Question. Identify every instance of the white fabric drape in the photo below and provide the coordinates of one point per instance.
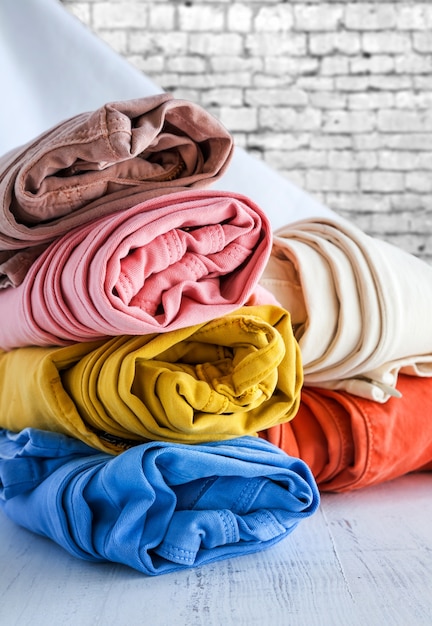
(53, 67)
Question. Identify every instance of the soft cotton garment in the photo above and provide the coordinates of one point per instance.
(360, 306)
(158, 507)
(351, 442)
(101, 162)
(173, 261)
(230, 377)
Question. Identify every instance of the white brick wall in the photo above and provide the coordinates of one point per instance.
(336, 95)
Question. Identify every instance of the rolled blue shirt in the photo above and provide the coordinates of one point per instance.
(157, 507)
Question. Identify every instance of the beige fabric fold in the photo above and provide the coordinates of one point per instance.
(101, 162)
(360, 306)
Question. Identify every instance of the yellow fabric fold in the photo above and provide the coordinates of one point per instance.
(232, 376)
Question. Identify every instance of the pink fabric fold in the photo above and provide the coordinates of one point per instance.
(170, 262)
(100, 162)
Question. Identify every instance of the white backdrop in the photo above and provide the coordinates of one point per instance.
(53, 67)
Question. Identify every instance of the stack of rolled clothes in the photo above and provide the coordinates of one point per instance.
(140, 357)
(177, 381)
(360, 310)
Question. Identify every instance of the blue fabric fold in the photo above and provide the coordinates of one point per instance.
(157, 507)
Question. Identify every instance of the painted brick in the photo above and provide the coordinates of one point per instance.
(116, 39)
(348, 122)
(289, 66)
(331, 142)
(417, 244)
(167, 44)
(377, 64)
(212, 80)
(411, 141)
(349, 203)
(327, 100)
(380, 181)
(296, 177)
(335, 95)
(342, 42)
(352, 160)
(274, 97)
(295, 159)
(149, 64)
(372, 100)
(368, 141)
(239, 118)
(239, 18)
(389, 82)
(317, 18)
(275, 18)
(282, 118)
(422, 42)
(398, 160)
(120, 15)
(421, 82)
(419, 181)
(235, 64)
(333, 65)
(352, 83)
(411, 100)
(162, 17)
(404, 121)
(415, 16)
(413, 64)
(210, 44)
(262, 80)
(201, 18)
(316, 83)
(274, 44)
(279, 141)
(187, 64)
(331, 180)
(229, 96)
(80, 11)
(386, 42)
(369, 16)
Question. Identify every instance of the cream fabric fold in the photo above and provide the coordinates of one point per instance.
(360, 306)
(101, 162)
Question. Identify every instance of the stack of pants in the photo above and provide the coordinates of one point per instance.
(177, 381)
(139, 356)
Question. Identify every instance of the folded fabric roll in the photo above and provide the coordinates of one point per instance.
(360, 306)
(232, 376)
(173, 261)
(157, 507)
(102, 162)
(351, 442)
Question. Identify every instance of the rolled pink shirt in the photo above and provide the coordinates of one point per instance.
(100, 162)
(170, 262)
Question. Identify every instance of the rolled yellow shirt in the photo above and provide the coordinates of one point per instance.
(232, 376)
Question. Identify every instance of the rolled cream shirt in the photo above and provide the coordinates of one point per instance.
(170, 262)
(360, 306)
(158, 507)
(100, 162)
(229, 377)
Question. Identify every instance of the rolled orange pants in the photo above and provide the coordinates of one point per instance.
(350, 442)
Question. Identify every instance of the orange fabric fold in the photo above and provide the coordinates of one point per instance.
(351, 442)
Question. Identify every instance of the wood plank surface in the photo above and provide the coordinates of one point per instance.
(363, 558)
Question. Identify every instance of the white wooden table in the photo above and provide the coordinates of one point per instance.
(364, 558)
